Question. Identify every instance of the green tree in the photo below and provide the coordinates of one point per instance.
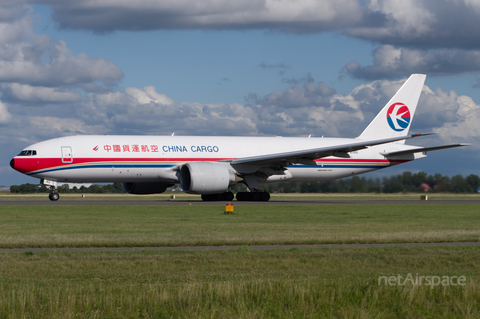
(474, 182)
(94, 189)
(14, 189)
(459, 184)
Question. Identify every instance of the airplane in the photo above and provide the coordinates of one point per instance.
(210, 165)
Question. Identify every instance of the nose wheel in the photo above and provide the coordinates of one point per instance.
(53, 196)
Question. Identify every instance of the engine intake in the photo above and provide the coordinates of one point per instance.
(206, 178)
(145, 188)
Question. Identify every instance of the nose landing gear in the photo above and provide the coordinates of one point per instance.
(52, 186)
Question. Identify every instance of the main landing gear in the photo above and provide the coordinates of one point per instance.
(255, 196)
(227, 196)
(53, 196)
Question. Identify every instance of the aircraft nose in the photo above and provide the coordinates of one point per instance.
(12, 163)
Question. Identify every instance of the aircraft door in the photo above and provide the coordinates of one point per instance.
(67, 156)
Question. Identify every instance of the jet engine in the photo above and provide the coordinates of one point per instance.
(206, 178)
(145, 188)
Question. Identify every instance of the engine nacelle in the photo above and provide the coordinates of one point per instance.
(206, 178)
(145, 188)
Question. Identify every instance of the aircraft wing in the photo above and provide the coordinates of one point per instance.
(307, 156)
(423, 149)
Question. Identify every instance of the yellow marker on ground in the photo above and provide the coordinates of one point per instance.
(228, 208)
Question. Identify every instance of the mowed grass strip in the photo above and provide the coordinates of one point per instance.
(116, 226)
(320, 283)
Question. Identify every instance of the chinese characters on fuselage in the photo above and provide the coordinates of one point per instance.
(144, 148)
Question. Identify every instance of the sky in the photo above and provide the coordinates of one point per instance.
(248, 68)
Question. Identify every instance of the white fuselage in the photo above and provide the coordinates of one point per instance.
(157, 158)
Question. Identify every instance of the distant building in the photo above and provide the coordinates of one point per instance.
(425, 187)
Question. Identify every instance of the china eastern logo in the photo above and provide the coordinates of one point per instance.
(398, 116)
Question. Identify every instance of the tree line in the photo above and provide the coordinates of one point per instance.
(405, 182)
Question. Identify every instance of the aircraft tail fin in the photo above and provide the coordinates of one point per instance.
(396, 116)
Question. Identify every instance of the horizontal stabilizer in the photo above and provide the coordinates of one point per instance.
(423, 149)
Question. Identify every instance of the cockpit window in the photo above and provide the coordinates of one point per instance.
(28, 153)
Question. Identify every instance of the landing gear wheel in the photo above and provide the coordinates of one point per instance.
(208, 197)
(227, 196)
(241, 196)
(53, 196)
(265, 196)
(253, 196)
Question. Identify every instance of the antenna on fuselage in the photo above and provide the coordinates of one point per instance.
(173, 133)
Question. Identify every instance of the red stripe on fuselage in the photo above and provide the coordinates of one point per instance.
(31, 164)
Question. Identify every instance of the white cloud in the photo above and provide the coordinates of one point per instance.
(5, 116)
(34, 59)
(422, 23)
(22, 63)
(422, 26)
(391, 62)
(474, 4)
(57, 126)
(14, 32)
(37, 94)
(454, 117)
(407, 18)
(286, 15)
(428, 23)
(294, 111)
(147, 95)
(13, 9)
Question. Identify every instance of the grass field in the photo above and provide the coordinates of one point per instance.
(321, 283)
(238, 283)
(195, 225)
